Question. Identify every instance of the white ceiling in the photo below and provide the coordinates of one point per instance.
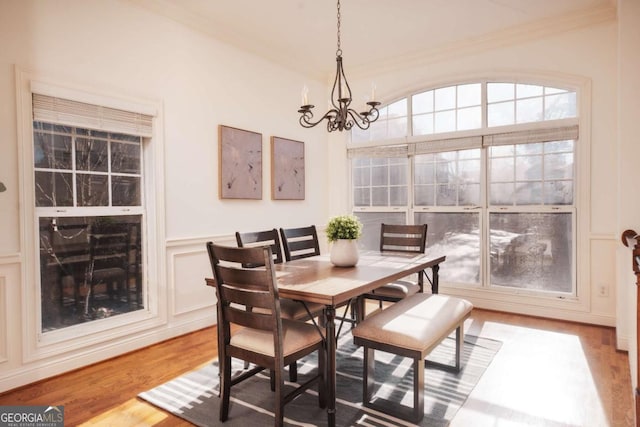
(301, 34)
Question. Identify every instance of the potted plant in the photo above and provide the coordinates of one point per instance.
(343, 231)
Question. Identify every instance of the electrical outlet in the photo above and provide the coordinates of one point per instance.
(603, 290)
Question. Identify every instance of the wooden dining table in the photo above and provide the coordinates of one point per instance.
(315, 279)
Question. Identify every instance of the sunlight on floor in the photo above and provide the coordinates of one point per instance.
(537, 378)
(131, 413)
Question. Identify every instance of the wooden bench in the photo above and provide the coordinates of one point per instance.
(410, 328)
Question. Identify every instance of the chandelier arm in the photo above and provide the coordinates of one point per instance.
(307, 116)
(357, 118)
(336, 84)
(373, 113)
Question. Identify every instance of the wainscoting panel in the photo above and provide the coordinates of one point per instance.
(188, 265)
(10, 311)
(3, 319)
(188, 271)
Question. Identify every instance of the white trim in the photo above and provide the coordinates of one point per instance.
(89, 97)
(97, 334)
(553, 308)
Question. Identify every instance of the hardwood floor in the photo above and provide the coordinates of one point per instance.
(547, 373)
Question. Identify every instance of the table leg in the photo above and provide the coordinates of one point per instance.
(435, 279)
(330, 325)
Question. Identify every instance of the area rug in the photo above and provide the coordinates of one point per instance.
(194, 396)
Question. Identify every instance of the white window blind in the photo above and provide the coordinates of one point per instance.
(379, 151)
(531, 136)
(451, 144)
(466, 143)
(74, 113)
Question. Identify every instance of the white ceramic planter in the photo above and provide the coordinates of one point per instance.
(344, 253)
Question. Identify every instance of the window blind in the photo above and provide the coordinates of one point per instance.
(74, 113)
(531, 136)
(379, 151)
(450, 144)
(466, 143)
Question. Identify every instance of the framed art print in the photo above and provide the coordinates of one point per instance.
(287, 169)
(240, 163)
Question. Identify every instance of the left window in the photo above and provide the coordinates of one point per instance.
(88, 176)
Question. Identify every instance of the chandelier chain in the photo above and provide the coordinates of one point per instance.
(339, 50)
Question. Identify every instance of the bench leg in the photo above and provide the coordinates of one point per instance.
(459, 345)
(369, 367)
(458, 357)
(418, 389)
(414, 414)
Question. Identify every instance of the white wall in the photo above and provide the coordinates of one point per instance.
(119, 49)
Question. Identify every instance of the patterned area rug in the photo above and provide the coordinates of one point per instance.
(194, 396)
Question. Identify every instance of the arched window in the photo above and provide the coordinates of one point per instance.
(490, 167)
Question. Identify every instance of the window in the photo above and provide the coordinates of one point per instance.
(380, 182)
(509, 103)
(447, 179)
(89, 208)
(499, 204)
(77, 167)
(447, 109)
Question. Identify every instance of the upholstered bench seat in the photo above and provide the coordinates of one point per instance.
(411, 328)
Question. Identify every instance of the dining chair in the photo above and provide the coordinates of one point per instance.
(300, 242)
(399, 238)
(289, 309)
(259, 238)
(264, 338)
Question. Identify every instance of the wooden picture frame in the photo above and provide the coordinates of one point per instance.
(287, 169)
(240, 163)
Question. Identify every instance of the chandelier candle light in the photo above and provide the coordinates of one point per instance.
(340, 116)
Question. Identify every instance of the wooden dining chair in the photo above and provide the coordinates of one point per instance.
(300, 242)
(399, 238)
(260, 238)
(265, 338)
(289, 309)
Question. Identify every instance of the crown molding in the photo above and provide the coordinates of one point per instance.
(508, 37)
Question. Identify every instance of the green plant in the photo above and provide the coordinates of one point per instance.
(343, 227)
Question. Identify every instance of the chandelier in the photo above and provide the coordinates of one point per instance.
(340, 116)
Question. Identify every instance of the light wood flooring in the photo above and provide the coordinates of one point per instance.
(547, 373)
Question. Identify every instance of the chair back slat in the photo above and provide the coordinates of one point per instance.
(247, 295)
(249, 319)
(252, 279)
(300, 242)
(261, 238)
(403, 238)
